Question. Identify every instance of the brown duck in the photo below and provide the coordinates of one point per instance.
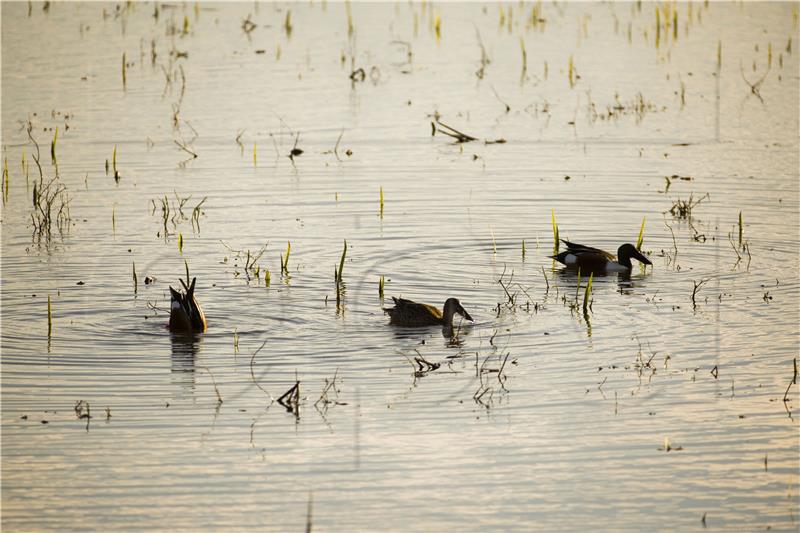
(413, 314)
(185, 313)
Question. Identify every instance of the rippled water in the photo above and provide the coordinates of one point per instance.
(572, 437)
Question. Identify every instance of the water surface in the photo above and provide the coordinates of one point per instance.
(647, 413)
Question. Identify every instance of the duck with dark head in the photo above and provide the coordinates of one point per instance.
(590, 259)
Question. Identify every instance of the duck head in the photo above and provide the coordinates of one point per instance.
(451, 307)
(627, 252)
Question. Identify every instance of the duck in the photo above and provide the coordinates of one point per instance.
(412, 314)
(185, 313)
(593, 259)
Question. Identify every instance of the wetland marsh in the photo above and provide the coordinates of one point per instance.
(308, 161)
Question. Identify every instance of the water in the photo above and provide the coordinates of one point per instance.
(574, 435)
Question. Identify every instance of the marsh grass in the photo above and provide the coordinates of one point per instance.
(340, 270)
(338, 278)
(196, 212)
(53, 147)
(741, 229)
(682, 209)
(285, 259)
(287, 23)
(555, 232)
(50, 200)
(588, 293)
(640, 239)
(114, 165)
(49, 317)
(5, 177)
(571, 73)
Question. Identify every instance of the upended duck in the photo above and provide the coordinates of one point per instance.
(412, 314)
(185, 313)
(593, 259)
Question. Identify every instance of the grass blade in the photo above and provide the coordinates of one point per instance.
(641, 235)
(285, 259)
(587, 295)
(555, 232)
(341, 263)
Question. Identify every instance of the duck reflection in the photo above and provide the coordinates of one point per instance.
(453, 334)
(626, 281)
(185, 347)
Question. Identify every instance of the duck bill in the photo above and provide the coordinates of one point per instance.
(642, 258)
(463, 312)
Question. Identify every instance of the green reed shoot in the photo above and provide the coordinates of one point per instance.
(285, 259)
(185, 24)
(287, 23)
(124, 71)
(523, 249)
(135, 279)
(235, 340)
(338, 273)
(255, 157)
(741, 229)
(588, 294)
(5, 179)
(186, 266)
(555, 232)
(180, 243)
(658, 27)
(641, 235)
(494, 244)
(49, 316)
(524, 57)
(267, 277)
(350, 27)
(381, 198)
(113, 161)
(719, 55)
(675, 25)
(381, 284)
(114, 219)
(53, 146)
(571, 73)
